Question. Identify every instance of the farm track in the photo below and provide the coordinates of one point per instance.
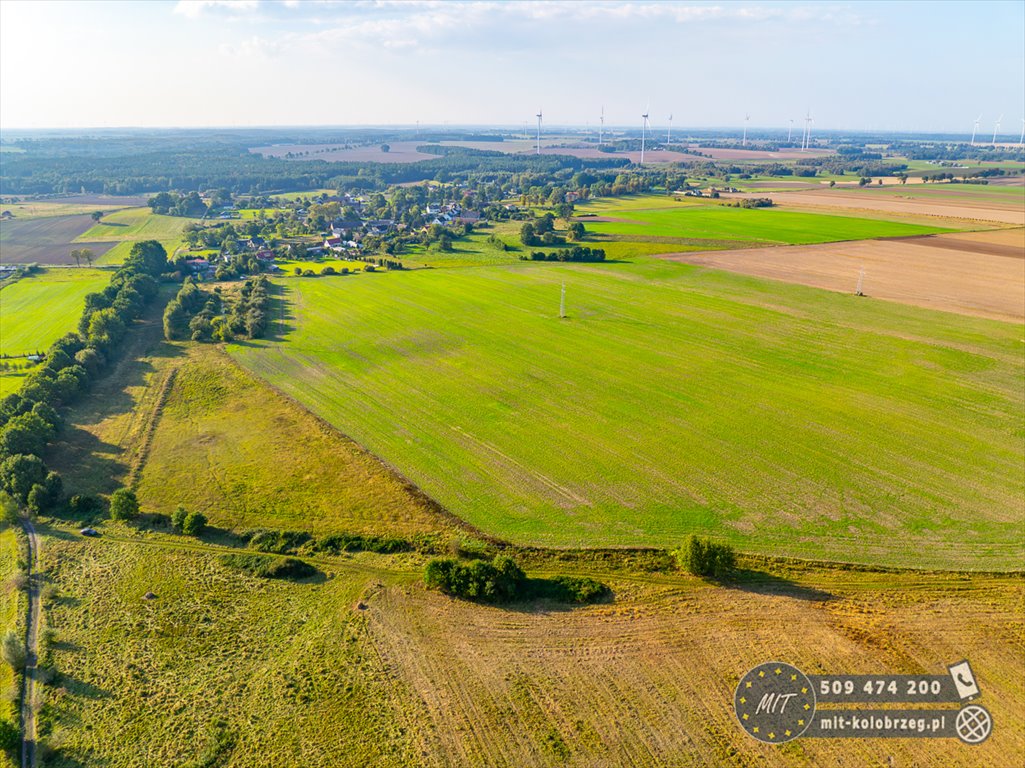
(28, 690)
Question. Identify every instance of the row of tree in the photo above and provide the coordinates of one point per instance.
(29, 418)
(199, 315)
(576, 253)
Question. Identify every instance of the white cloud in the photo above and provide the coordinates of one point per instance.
(193, 9)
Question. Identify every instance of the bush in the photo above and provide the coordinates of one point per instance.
(268, 567)
(124, 505)
(84, 506)
(194, 524)
(343, 542)
(10, 736)
(278, 542)
(575, 589)
(13, 650)
(499, 581)
(178, 517)
(707, 558)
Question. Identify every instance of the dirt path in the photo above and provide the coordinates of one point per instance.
(28, 693)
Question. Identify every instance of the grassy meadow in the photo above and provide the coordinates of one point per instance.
(216, 422)
(37, 310)
(672, 400)
(12, 617)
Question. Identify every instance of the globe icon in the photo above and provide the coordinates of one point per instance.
(973, 724)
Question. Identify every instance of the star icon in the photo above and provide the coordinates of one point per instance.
(747, 685)
(786, 733)
(755, 729)
(807, 706)
(743, 700)
(772, 735)
(793, 677)
(800, 722)
(803, 690)
(761, 673)
(745, 715)
(779, 671)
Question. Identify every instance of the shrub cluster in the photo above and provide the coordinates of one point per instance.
(290, 542)
(576, 253)
(29, 417)
(498, 581)
(267, 567)
(501, 581)
(707, 558)
(748, 202)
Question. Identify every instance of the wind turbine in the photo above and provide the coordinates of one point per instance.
(539, 130)
(791, 131)
(601, 125)
(669, 131)
(743, 142)
(807, 130)
(644, 129)
(996, 129)
(1021, 141)
(975, 129)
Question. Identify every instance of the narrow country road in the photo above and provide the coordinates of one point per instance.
(28, 689)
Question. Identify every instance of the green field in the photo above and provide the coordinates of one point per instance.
(131, 225)
(658, 217)
(36, 311)
(673, 399)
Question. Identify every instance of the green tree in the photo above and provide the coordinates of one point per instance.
(13, 650)
(123, 505)
(97, 215)
(194, 524)
(576, 231)
(10, 736)
(19, 473)
(8, 509)
(178, 517)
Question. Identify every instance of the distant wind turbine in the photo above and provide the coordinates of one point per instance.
(747, 118)
(996, 129)
(1021, 141)
(807, 130)
(791, 131)
(669, 131)
(644, 129)
(975, 128)
(539, 130)
(601, 125)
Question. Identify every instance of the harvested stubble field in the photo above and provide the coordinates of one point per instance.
(673, 399)
(47, 240)
(981, 274)
(963, 206)
(362, 666)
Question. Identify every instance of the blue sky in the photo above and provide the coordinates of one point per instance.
(923, 66)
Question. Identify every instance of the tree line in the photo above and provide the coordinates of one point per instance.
(29, 418)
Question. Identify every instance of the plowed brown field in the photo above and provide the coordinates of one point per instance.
(980, 274)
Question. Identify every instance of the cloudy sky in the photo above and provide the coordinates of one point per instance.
(932, 66)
